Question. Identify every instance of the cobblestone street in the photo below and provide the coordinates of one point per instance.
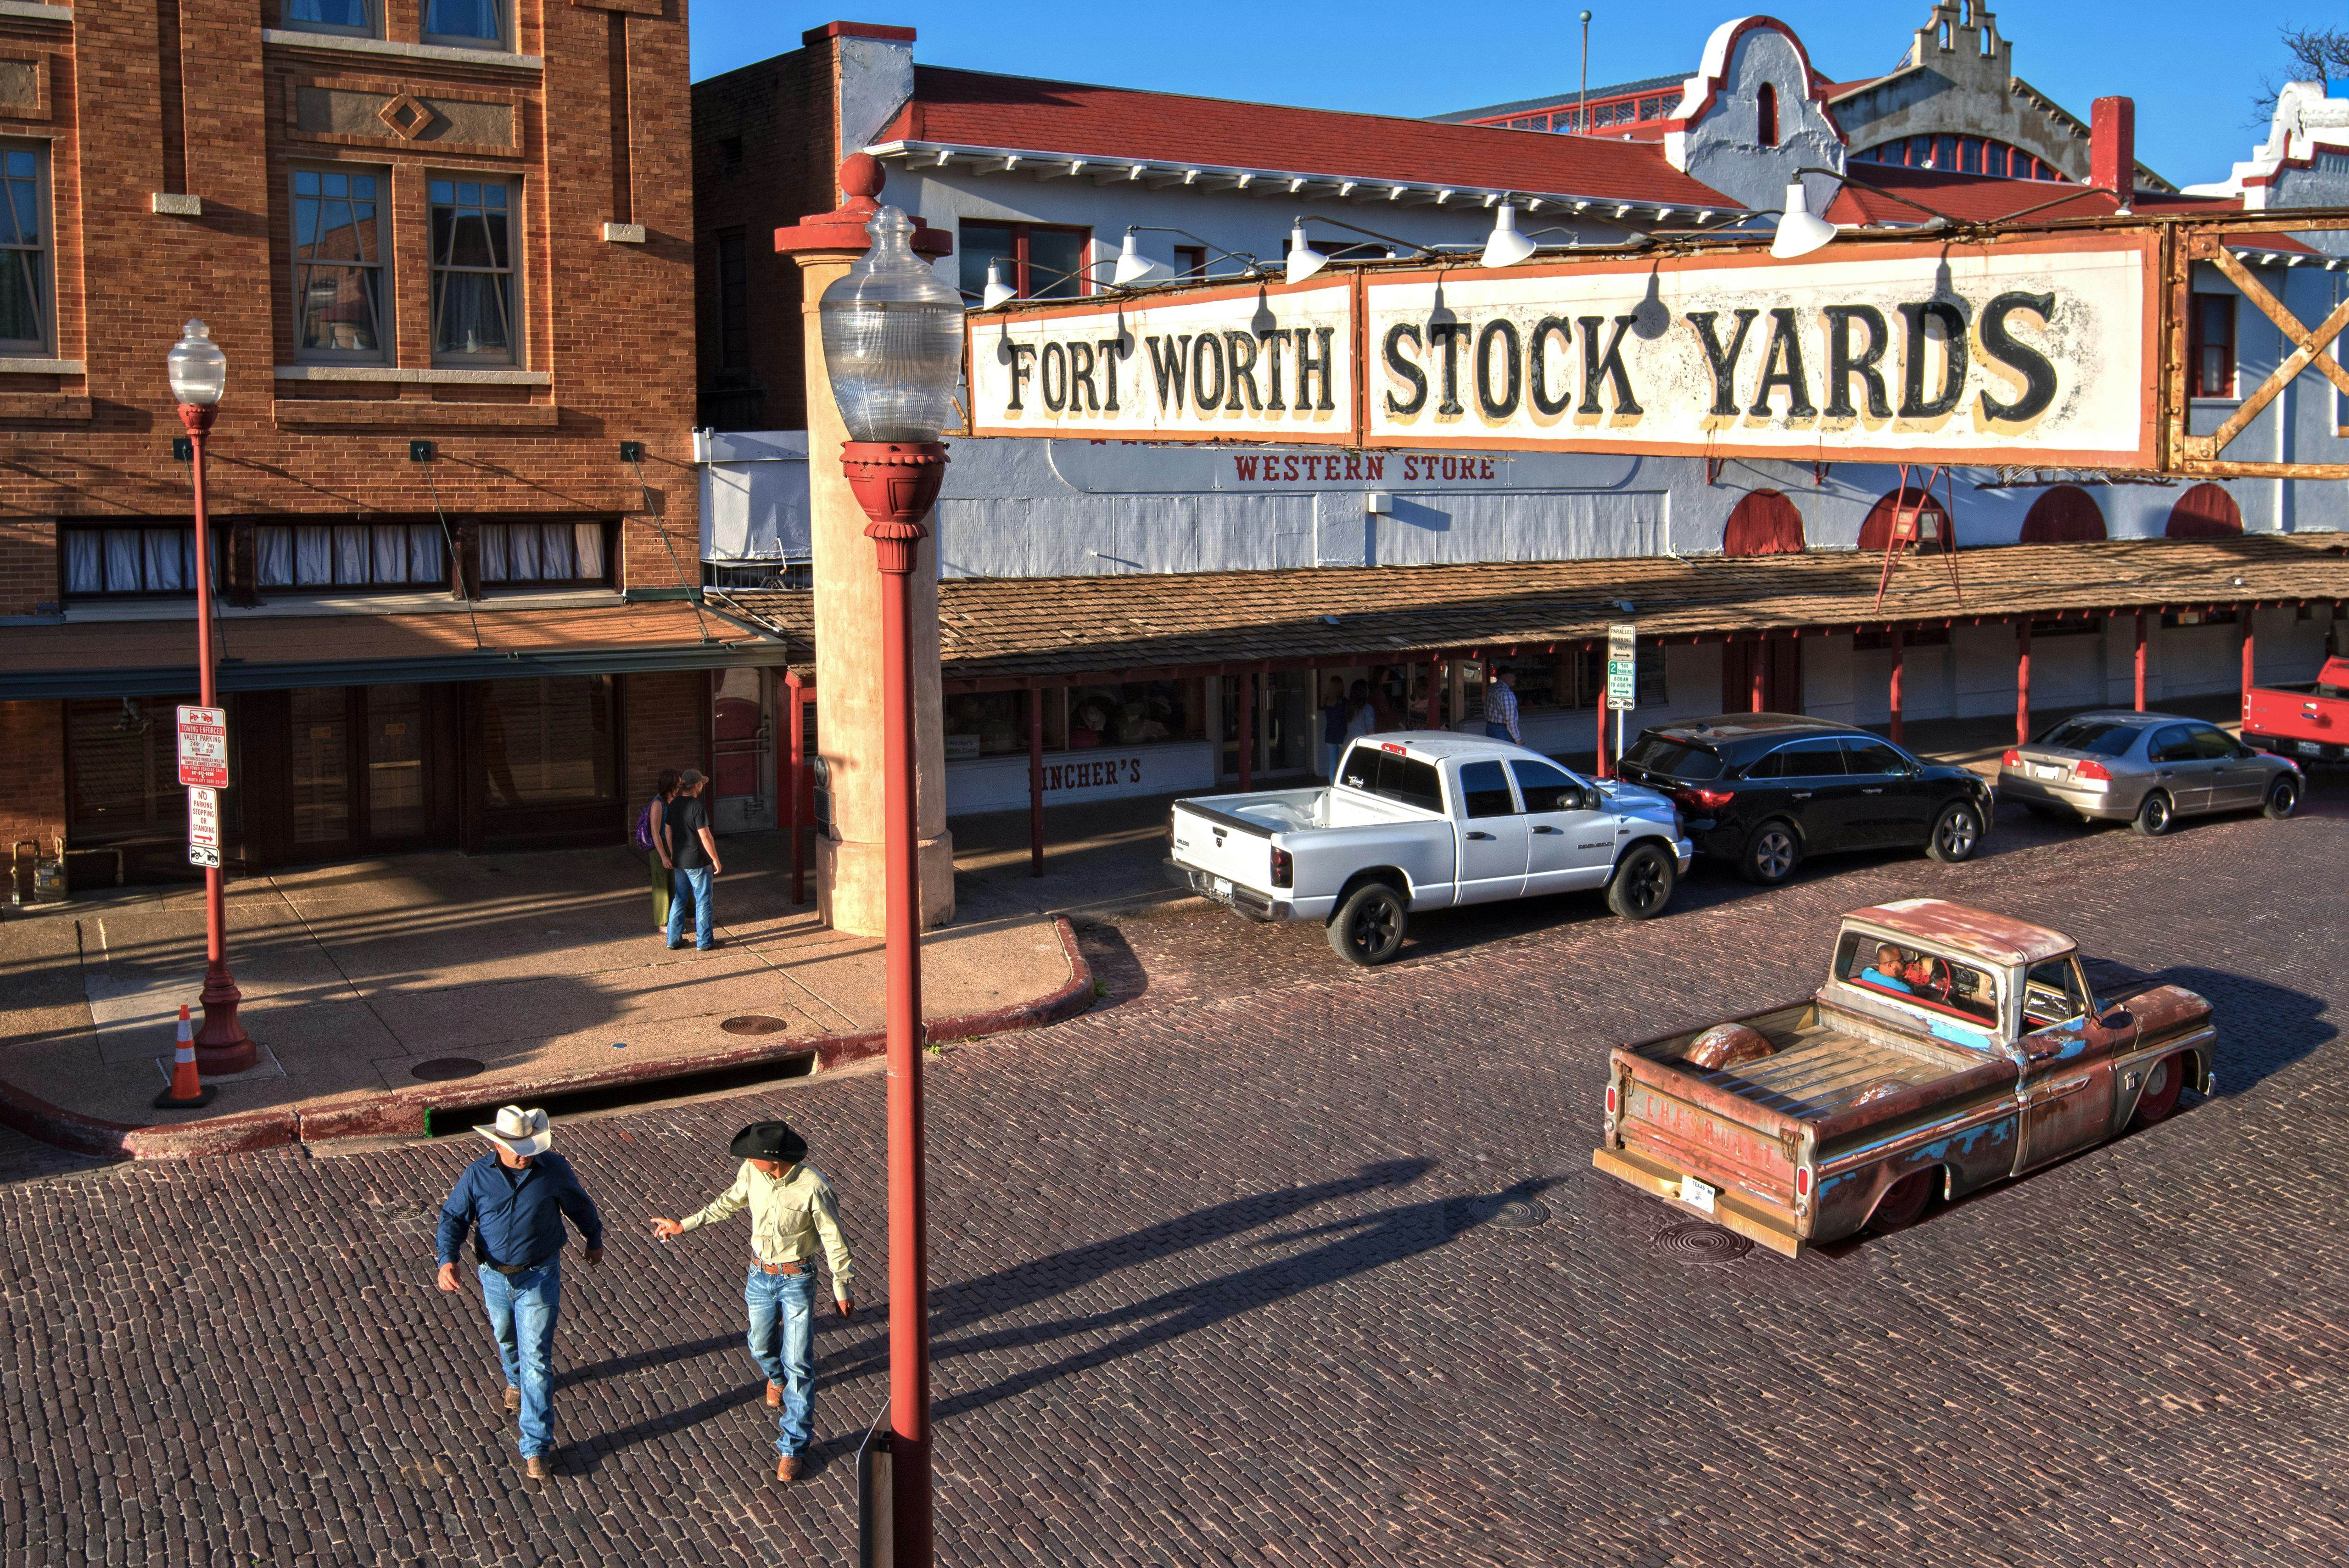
(1213, 1284)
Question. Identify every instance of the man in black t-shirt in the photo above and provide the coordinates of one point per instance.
(692, 856)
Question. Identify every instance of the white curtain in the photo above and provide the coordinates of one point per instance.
(555, 561)
(522, 552)
(494, 567)
(424, 553)
(273, 549)
(390, 553)
(351, 546)
(85, 568)
(587, 542)
(166, 566)
(314, 555)
(122, 560)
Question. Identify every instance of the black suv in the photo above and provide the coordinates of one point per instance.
(1764, 790)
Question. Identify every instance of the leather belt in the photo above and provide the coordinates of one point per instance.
(511, 1270)
(801, 1267)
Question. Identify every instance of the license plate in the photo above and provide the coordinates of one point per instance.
(2310, 748)
(2040, 773)
(1697, 1193)
(1221, 885)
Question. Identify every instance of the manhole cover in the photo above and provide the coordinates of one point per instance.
(754, 1023)
(440, 1069)
(1701, 1245)
(1519, 1214)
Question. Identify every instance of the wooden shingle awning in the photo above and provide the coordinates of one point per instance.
(1007, 631)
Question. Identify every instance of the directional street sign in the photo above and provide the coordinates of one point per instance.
(1623, 664)
(204, 747)
(204, 825)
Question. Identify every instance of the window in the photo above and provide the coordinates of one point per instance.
(2210, 354)
(542, 552)
(1936, 983)
(1821, 757)
(1765, 116)
(1191, 260)
(547, 743)
(1485, 791)
(122, 768)
(1657, 753)
(1390, 775)
(2211, 744)
(354, 17)
(729, 154)
(349, 555)
(132, 559)
(2173, 745)
(338, 265)
(2052, 993)
(733, 307)
(1039, 263)
(24, 325)
(1875, 759)
(2097, 737)
(1547, 788)
(472, 271)
(467, 24)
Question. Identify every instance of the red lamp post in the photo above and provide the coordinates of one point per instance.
(199, 373)
(892, 348)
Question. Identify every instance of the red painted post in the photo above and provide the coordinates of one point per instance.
(1246, 678)
(2250, 678)
(794, 783)
(2140, 661)
(1899, 652)
(1604, 770)
(2023, 683)
(1761, 663)
(1035, 779)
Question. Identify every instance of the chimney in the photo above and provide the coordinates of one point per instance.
(2112, 146)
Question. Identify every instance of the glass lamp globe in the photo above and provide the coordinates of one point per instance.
(198, 368)
(892, 339)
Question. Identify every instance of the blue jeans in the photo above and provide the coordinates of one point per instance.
(523, 1309)
(782, 1332)
(690, 886)
(1492, 733)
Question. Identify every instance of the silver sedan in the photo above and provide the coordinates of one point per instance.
(2146, 770)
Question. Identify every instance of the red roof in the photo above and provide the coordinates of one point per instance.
(974, 109)
(1985, 198)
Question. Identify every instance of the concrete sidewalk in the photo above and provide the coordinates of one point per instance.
(541, 968)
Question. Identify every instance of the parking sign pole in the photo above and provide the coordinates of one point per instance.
(222, 1044)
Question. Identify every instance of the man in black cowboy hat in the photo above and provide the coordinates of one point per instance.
(792, 1216)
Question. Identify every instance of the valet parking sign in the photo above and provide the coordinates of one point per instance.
(203, 768)
(2034, 352)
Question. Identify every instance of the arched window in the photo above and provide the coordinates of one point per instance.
(1875, 533)
(1763, 524)
(2067, 512)
(1765, 116)
(2205, 511)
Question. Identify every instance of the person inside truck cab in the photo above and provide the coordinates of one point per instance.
(1890, 966)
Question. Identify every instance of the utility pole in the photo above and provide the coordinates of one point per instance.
(1582, 111)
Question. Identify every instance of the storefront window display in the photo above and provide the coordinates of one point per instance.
(548, 743)
(1078, 718)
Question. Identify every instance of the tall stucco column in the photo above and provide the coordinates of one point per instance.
(848, 589)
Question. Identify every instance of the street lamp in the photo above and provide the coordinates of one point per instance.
(893, 347)
(199, 373)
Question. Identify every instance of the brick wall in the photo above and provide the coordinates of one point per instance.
(666, 724)
(28, 564)
(32, 775)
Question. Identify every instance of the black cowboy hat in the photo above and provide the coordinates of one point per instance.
(769, 1140)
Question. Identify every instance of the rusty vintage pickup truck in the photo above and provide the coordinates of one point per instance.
(1949, 1048)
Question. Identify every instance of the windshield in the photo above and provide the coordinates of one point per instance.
(1655, 753)
(2099, 737)
(1939, 985)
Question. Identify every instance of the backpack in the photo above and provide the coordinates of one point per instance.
(642, 836)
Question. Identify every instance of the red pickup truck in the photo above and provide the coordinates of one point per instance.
(2308, 722)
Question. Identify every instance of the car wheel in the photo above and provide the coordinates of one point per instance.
(1956, 834)
(2164, 1081)
(1770, 855)
(1643, 883)
(2154, 816)
(2283, 798)
(1904, 1202)
(1368, 927)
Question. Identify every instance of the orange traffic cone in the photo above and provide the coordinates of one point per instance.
(186, 1091)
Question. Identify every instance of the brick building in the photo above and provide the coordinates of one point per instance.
(446, 246)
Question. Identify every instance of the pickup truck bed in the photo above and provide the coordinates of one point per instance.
(1819, 1070)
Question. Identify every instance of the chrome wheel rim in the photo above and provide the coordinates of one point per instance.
(1957, 833)
(2157, 1082)
(1775, 855)
(2285, 797)
(2157, 812)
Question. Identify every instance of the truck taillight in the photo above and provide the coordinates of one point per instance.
(2092, 770)
(2013, 758)
(1614, 1100)
(1284, 868)
(1801, 1181)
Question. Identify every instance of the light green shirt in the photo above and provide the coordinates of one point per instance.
(791, 1216)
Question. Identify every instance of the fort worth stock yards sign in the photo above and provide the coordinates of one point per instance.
(2038, 352)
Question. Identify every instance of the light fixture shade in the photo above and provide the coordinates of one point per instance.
(198, 368)
(1800, 232)
(997, 291)
(1132, 267)
(1505, 246)
(892, 339)
(1304, 261)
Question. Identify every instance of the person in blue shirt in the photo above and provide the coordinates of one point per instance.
(1887, 970)
(513, 1202)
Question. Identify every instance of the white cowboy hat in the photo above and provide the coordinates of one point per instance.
(518, 1131)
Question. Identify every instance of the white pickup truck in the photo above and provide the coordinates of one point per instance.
(1426, 820)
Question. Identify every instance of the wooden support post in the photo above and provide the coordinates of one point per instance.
(1247, 678)
(1760, 665)
(2023, 683)
(1035, 780)
(1604, 770)
(2250, 636)
(2140, 661)
(795, 783)
(1899, 649)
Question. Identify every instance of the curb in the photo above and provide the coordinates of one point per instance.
(402, 1112)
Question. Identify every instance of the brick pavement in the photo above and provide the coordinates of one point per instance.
(1211, 1287)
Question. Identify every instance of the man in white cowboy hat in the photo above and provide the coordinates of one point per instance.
(513, 1202)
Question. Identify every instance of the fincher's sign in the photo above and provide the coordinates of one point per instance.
(2038, 351)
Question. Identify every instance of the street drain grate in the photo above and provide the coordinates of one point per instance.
(1701, 1245)
(754, 1023)
(441, 1069)
(1519, 1214)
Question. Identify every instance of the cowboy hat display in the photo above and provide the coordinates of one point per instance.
(769, 1140)
(518, 1131)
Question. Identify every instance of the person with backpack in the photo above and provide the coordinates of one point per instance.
(650, 843)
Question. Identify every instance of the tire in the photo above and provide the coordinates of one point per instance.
(1770, 855)
(1367, 929)
(2154, 816)
(2164, 1081)
(2283, 798)
(1905, 1201)
(1957, 833)
(1643, 883)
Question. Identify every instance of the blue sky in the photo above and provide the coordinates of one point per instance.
(2192, 67)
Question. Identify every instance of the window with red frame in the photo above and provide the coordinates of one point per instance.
(1038, 261)
(2211, 353)
(1191, 260)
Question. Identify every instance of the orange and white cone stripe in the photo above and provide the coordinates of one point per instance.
(187, 1089)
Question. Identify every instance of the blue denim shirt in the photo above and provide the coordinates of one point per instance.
(519, 1222)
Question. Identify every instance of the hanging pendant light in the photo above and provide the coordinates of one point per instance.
(997, 291)
(1800, 230)
(1505, 246)
(1304, 261)
(1134, 267)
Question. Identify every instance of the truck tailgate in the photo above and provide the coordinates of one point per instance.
(1665, 1123)
(1223, 846)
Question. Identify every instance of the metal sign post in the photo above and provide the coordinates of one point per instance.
(1622, 676)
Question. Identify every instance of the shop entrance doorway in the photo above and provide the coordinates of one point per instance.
(1761, 675)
